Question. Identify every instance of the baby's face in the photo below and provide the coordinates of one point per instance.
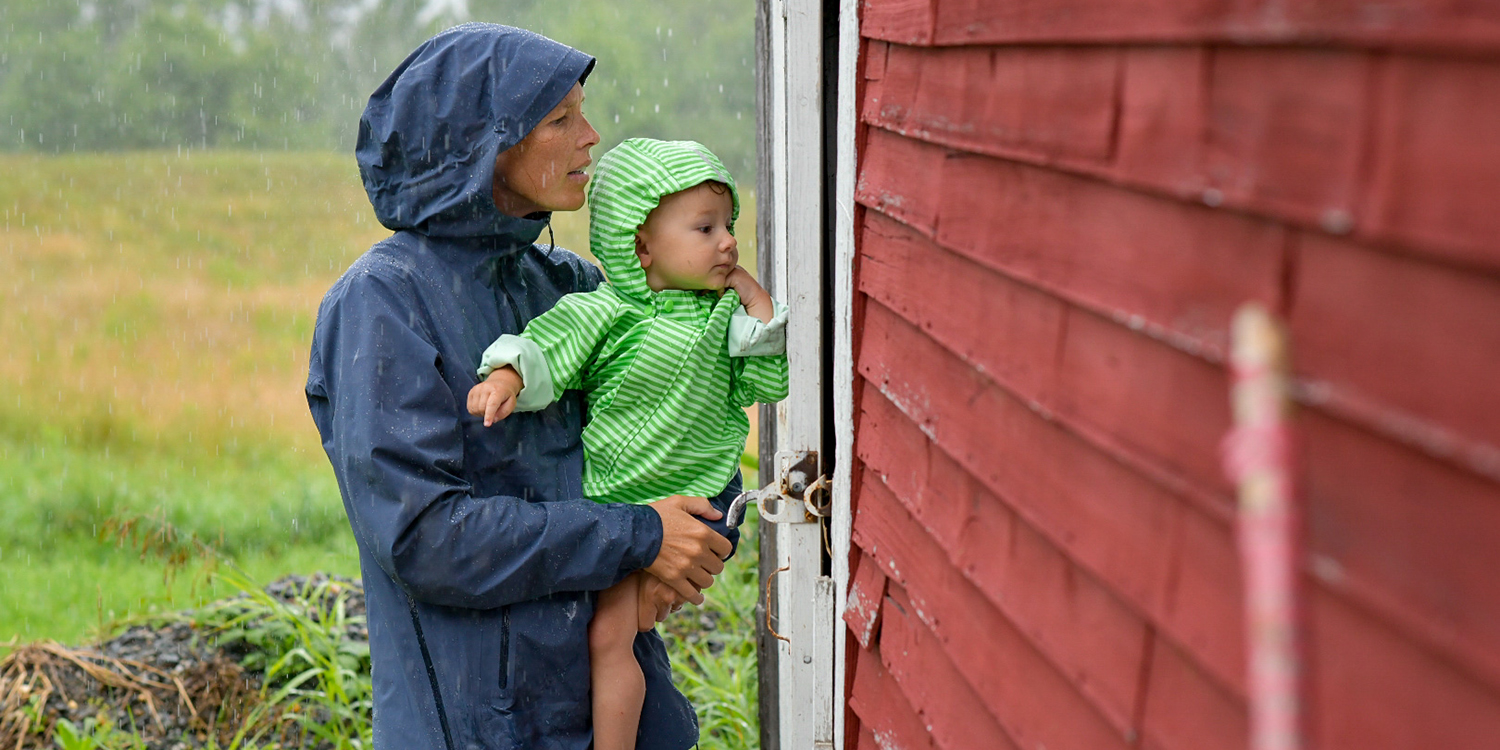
(685, 242)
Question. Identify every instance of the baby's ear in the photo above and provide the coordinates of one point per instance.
(641, 251)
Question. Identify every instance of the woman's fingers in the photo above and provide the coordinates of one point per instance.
(699, 506)
(691, 554)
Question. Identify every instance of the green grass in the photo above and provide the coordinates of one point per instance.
(158, 310)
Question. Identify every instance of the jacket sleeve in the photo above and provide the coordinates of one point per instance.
(555, 351)
(393, 432)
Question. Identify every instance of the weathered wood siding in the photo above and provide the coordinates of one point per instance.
(1060, 204)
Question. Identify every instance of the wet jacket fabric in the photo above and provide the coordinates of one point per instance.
(665, 381)
(478, 551)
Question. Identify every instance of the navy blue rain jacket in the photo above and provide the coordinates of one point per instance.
(478, 551)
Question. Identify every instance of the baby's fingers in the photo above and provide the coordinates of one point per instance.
(497, 407)
(476, 399)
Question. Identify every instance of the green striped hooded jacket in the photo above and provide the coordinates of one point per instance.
(667, 375)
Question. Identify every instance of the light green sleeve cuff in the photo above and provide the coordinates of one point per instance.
(749, 337)
(527, 358)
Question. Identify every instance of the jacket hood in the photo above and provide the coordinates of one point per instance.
(430, 133)
(628, 183)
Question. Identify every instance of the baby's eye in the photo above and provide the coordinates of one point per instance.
(705, 229)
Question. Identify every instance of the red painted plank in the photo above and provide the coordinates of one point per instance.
(956, 718)
(900, 21)
(1065, 611)
(979, 21)
(1415, 536)
(1419, 338)
(1439, 159)
(938, 492)
(1162, 108)
(1374, 691)
(1178, 269)
(1028, 695)
(1108, 518)
(901, 177)
(1206, 610)
(1440, 24)
(1049, 101)
(866, 591)
(1187, 711)
(1284, 131)
(1153, 399)
(944, 294)
(883, 711)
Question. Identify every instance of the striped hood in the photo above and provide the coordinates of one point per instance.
(628, 183)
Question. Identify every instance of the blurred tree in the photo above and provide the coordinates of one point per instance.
(113, 74)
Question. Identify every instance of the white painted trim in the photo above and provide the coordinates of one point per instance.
(804, 607)
(843, 344)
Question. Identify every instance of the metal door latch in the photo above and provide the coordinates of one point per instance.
(800, 495)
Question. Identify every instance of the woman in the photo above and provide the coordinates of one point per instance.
(478, 553)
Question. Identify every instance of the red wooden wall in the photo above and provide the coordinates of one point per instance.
(1062, 202)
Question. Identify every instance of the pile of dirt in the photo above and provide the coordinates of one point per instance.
(169, 684)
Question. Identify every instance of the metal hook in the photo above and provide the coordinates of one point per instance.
(769, 628)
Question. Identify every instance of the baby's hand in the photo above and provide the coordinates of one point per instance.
(495, 398)
(752, 295)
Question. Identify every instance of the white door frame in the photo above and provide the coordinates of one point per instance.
(845, 166)
(803, 603)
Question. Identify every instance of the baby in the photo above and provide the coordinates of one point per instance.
(668, 352)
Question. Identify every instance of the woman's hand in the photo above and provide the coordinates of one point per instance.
(753, 296)
(691, 553)
(495, 398)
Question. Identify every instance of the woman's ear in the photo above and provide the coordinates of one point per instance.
(641, 251)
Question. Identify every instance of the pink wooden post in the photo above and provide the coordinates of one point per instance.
(1258, 456)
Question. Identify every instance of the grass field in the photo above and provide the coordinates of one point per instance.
(157, 312)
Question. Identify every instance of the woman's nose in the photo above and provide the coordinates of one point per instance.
(590, 136)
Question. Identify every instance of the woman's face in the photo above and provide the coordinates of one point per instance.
(544, 172)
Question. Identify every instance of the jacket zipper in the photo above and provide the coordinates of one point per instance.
(515, 310)
(505, 648)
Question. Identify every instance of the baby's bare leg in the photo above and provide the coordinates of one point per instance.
(619, 687)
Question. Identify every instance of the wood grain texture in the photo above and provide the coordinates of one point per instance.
(1375, 690)
(1418, 338)
(1106, 516)
(899, 21)
(1438, 159)
(1152, 262)
(1187, 711)
(953, 714)
(885, 716)
(1027, 693)
(944, 294)
(1151, 398)
(866, 592)
(1409, 537)
(1414, 24)
(1050, 101)
(1284, 131)
(1065, 611)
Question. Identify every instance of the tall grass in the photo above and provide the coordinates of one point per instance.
(158, 308)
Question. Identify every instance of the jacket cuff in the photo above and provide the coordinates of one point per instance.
(527, 358)
(645, 543)
(749, 337)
